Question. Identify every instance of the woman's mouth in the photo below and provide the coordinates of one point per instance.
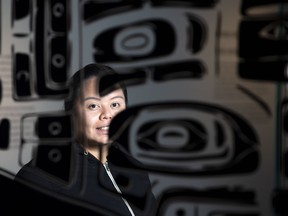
(104, 128)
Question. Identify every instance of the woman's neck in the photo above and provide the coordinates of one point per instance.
(100, 152)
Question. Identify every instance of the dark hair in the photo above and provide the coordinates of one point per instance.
(89, 71)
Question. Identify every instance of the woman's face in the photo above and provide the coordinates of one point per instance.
(94, 113)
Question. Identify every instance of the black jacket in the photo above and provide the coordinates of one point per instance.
(89, 184)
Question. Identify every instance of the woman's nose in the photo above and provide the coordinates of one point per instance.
(105, 114)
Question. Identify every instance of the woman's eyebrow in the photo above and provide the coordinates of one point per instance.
(97, 98)
(121, 97)
(91, 98)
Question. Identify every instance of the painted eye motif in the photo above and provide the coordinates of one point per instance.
(275, 31)
(180, 135)
(140, 40)
(187, 138)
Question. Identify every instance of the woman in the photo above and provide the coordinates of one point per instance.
(98, 178)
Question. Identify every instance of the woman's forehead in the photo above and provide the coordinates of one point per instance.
(90, 88)
(91, 84)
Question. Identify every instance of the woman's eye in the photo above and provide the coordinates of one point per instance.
(93, 106)
(115, 105)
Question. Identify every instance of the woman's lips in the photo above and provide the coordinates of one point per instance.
(103, 130)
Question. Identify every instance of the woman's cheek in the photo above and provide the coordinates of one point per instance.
(92, 119)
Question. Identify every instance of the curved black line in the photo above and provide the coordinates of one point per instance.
(255, 98)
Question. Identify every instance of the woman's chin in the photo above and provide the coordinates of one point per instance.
(102, 142)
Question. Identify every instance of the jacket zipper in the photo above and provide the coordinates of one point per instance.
(117, 188)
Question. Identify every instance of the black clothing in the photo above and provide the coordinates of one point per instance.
(19, 199)
(91, 183)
